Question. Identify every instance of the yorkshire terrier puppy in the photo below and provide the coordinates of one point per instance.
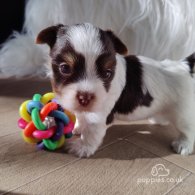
(92, 76)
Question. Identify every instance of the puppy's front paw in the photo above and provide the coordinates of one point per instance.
(79, 148)
(182, 146)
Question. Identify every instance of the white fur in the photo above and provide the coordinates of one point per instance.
(158, 29)
(20, 57)
(85, 40)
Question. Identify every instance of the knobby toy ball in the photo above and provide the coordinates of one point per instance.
(44, 122)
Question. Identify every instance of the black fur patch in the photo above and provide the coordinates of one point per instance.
(49, 35)
(191, 62)
(79, 70)
(108, 45)
(106, 62)
(132, 95)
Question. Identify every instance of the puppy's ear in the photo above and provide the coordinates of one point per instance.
(48, 35)
(119, 46)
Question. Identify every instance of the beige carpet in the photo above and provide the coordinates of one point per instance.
(134, 159)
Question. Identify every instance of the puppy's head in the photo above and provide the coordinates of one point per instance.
(83, 60)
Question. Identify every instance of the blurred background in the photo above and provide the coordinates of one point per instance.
(11, 17)
(157, 29)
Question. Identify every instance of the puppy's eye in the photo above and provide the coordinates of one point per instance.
(65, 69)
(108, 74)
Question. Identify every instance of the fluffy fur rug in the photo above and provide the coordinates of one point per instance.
(158, 29)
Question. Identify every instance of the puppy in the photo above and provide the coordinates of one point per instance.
(92, 77)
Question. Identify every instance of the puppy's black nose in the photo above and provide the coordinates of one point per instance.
(84, 98)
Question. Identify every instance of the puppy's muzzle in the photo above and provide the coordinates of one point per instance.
(84, 98)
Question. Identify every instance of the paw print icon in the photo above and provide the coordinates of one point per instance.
(160, 170)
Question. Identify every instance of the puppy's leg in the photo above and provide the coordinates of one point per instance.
(89, 141)
(184, 144)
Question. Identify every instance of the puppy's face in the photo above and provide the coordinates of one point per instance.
(83, 60)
